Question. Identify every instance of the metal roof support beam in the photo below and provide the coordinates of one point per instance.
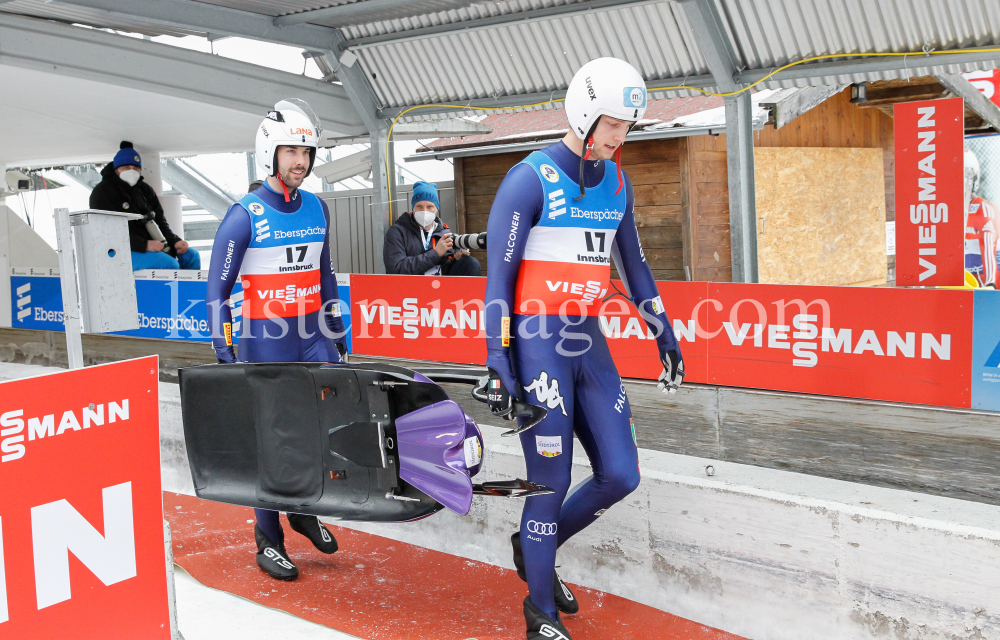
(742, 188)
(383, 170)
(852, 70)
(50, 47)
(520, 99)
(197, 191)
(84, 175)
(710, 33)
(218, 21)
(974, 99)
(201, 16)
(383, 175)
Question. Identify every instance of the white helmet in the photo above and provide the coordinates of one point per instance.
(292, 123)
(604, 87)
(972, 171)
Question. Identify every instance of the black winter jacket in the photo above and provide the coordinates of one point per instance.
(114, 194)
(404, 251)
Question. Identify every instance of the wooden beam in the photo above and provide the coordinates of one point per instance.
(881, 96)
(688, 204)
(788, 104)
(460, 195)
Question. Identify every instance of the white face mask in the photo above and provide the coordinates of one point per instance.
(424, 218)
(130, 176)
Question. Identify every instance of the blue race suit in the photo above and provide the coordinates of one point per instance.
(554, 258)
(282, 251)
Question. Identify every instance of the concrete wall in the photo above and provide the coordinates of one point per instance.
(763, 553)
(932, 450)
(20, 246)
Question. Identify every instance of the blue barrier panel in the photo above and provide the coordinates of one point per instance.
(173, 310)
(169, 308)
(986, 351)
(36, 302)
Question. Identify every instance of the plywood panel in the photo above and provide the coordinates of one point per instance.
(820, 215)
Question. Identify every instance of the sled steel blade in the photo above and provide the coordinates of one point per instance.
(533, 414)
(453, 375)
(510, 489)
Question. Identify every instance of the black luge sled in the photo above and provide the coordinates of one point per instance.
(356, 442)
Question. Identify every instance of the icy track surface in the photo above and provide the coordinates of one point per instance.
(207, 614)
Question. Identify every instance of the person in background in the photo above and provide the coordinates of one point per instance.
(981, 222)
(420, 243)
(122, 188)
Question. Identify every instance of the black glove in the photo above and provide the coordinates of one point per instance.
(498, 397)
(673, 371)
(342, 350)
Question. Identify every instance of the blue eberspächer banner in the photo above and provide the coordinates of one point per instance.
(986, 351)
(171, 303)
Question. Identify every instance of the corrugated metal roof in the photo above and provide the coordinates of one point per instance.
(377, 11)
(541, 55)
(453, 16)
(770, 33)
(538, 56)
(530, 57)
(412, 10)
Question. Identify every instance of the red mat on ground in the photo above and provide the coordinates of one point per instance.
(377, 588)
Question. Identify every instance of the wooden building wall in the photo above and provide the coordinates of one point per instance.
(681, 186)
(705, 211)
(654, 168)
(835, 123)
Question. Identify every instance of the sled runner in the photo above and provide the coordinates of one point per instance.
(369, 442)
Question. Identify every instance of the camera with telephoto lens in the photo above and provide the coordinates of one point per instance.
(469, 241)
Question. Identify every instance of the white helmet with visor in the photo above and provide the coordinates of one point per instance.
(292, 123)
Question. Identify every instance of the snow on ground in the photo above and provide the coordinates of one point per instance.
(204, 613)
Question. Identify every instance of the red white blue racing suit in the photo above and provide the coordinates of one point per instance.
(549, 254)
(282, 251)
(981, 241)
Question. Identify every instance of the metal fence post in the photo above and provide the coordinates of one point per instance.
(67, 280)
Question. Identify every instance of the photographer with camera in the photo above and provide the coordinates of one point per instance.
(420, 243)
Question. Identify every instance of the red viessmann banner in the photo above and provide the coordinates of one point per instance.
(81, 516)
(930, 204)
(883, 344)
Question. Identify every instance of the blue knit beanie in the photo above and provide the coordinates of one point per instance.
(425, 191)
(127, 156)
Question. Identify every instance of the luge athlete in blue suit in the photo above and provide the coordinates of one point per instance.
(564, 213)
(277, 240)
